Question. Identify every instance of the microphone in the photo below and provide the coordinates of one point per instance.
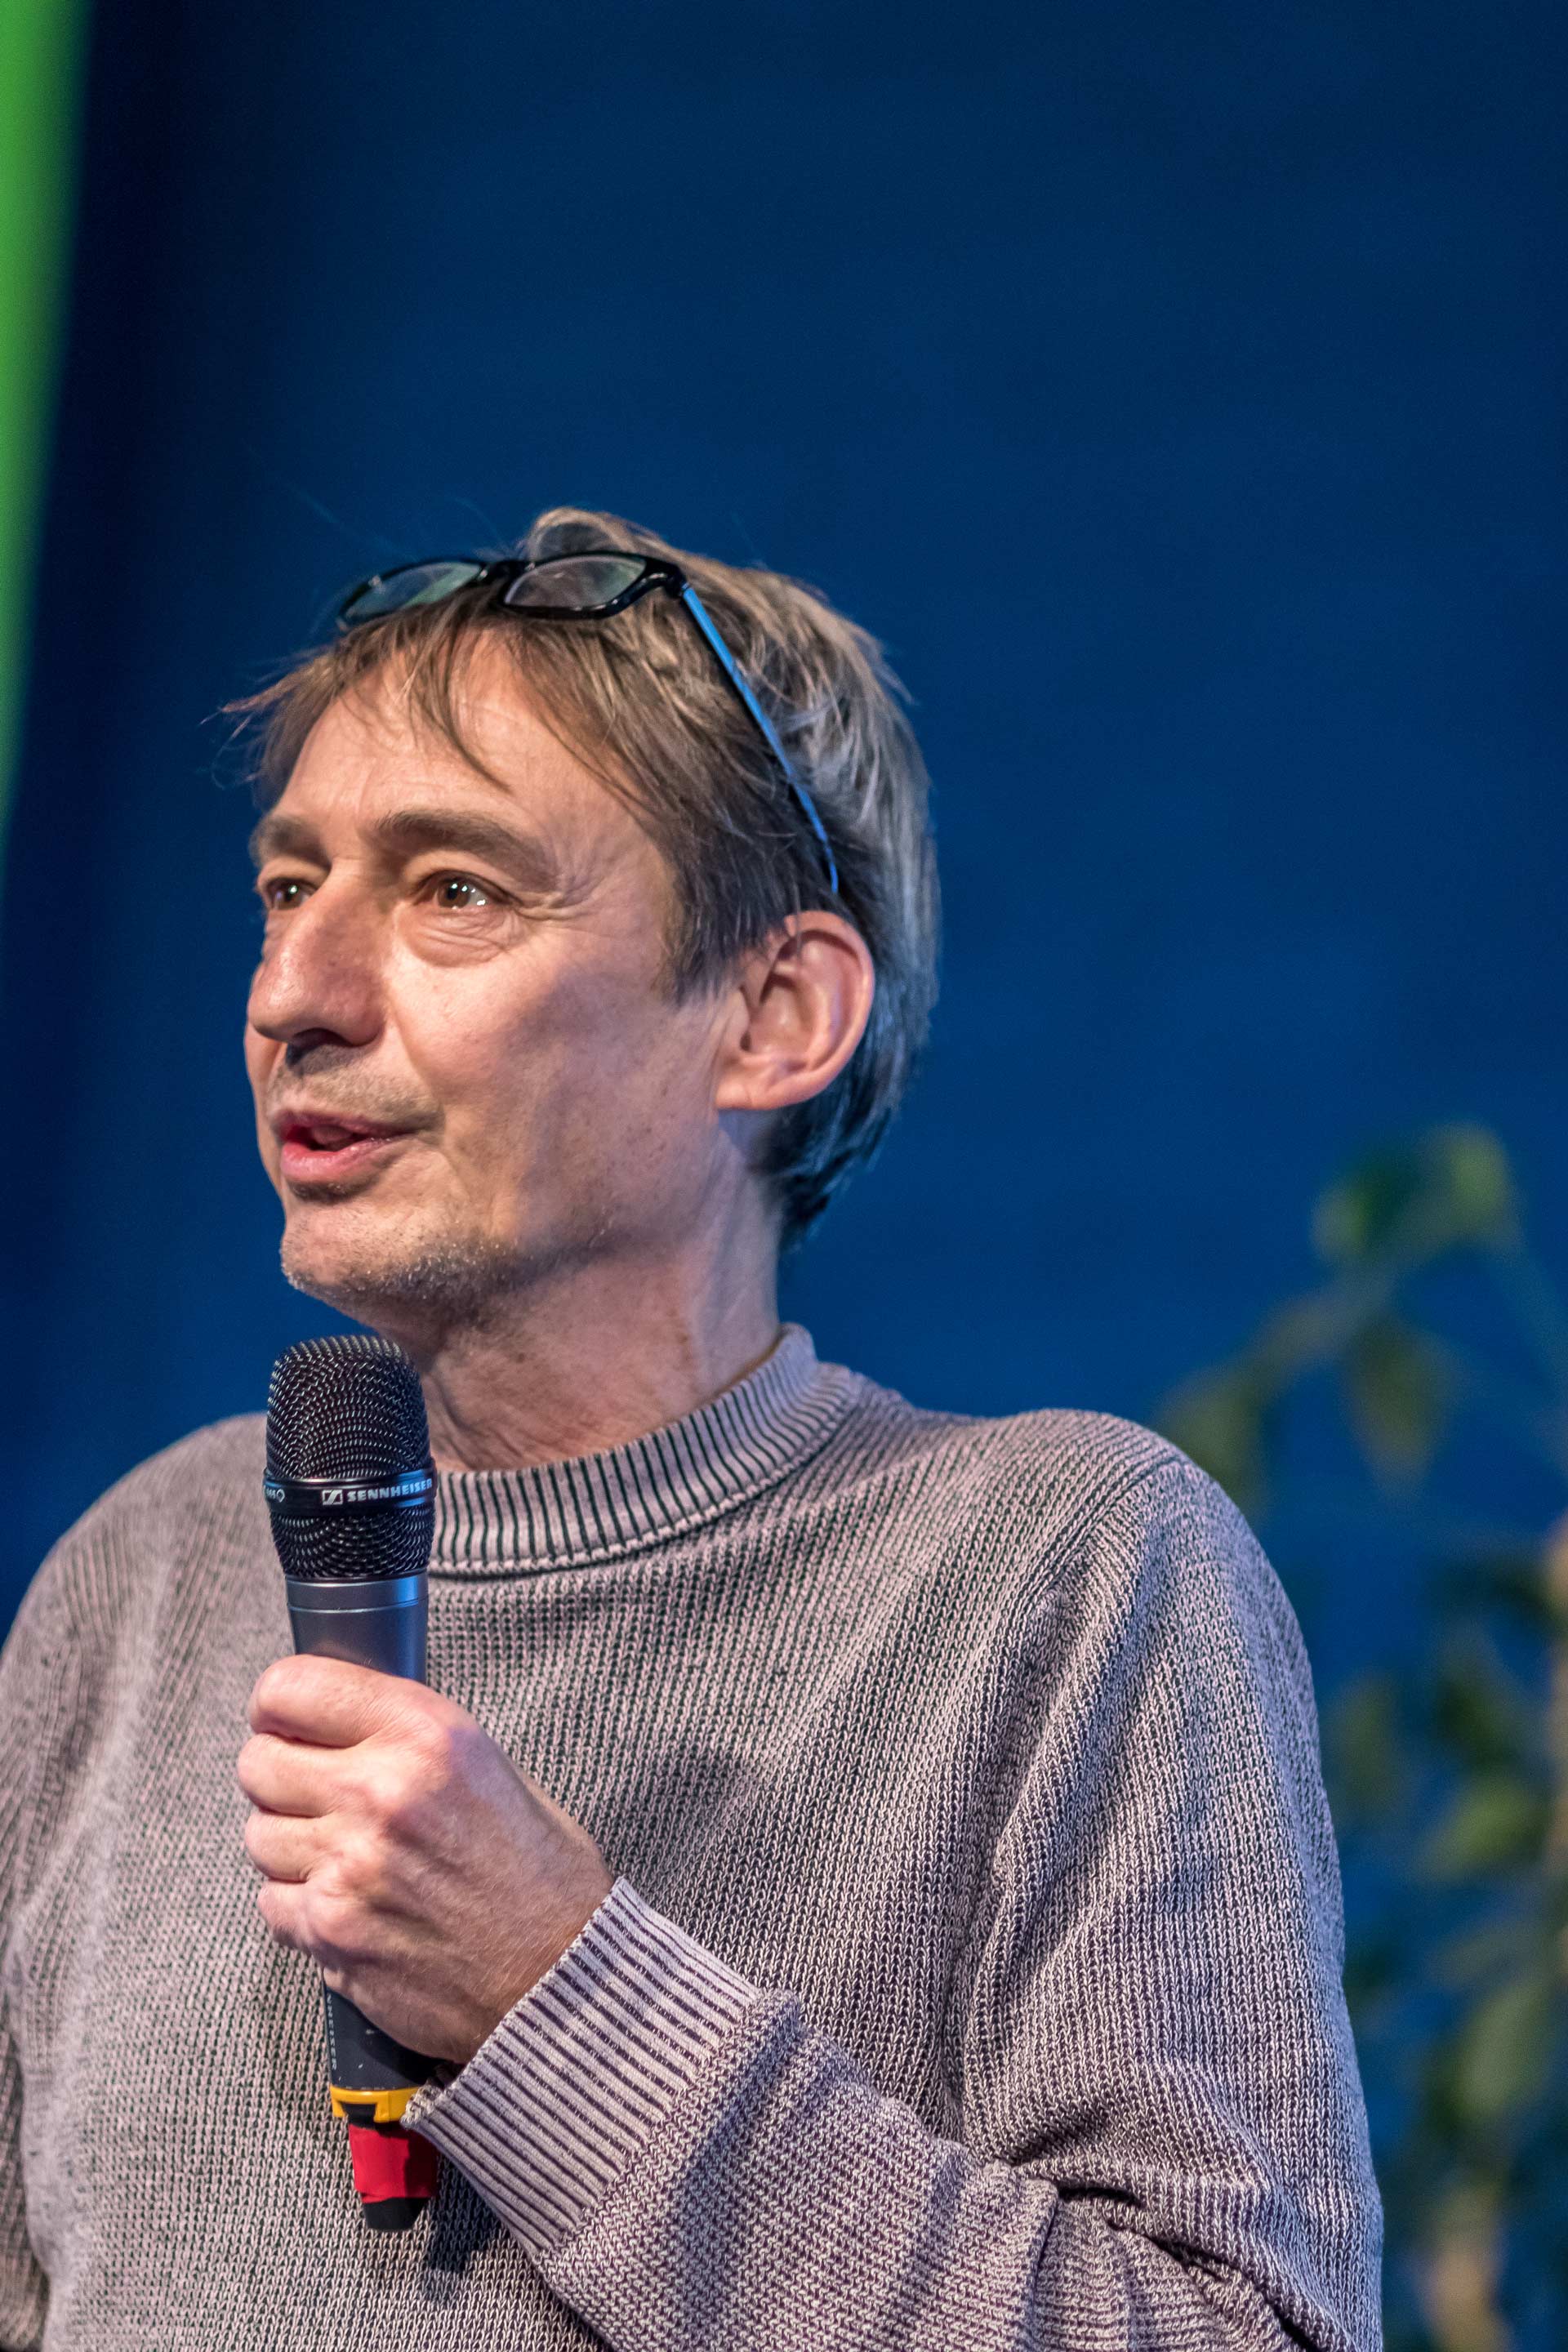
(352, 1492)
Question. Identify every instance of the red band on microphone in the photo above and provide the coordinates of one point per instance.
(391, 2163)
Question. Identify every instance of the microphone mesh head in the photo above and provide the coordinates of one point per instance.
(351, 1408)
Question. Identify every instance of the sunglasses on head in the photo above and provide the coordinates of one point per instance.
(588, 587)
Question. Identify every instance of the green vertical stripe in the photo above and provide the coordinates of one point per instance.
(41, 54)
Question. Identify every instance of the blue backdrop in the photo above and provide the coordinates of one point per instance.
(1176, 391)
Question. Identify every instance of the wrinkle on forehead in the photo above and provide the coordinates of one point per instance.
(467, 703)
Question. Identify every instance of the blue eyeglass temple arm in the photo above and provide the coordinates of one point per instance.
(693, 604)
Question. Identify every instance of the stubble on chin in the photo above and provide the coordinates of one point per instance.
(426, 1283)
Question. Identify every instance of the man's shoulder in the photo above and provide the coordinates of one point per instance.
(1053, 1444)
(1043, 1487)
(194, 1501)
(1061, 1459)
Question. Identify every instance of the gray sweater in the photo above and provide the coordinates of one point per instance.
(971, 1980)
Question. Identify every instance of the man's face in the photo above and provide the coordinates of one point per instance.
(467, 1070)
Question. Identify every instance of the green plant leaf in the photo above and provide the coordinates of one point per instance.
(1471, 1187)
(1495, 1822)
(1450, 1188)
(1398, 1392)
(1503, 2051)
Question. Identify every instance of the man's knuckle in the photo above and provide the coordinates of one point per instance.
(379, 1791)
(400, 1782)
(357, 1870)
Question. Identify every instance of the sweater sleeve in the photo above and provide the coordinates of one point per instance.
(24, 2290)
(37, 1684)
(1163, 2144)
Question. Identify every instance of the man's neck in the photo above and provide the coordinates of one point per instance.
(591, 1362)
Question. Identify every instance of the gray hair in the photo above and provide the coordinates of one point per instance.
(694, 769)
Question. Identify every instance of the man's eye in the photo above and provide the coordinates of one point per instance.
(459, 892)
(283, 895)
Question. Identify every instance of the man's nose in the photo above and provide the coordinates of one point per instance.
(319, 978)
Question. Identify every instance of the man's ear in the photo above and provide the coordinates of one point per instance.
(801, 1003)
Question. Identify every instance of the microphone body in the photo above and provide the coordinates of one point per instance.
(351, 1487)
(380, 1624)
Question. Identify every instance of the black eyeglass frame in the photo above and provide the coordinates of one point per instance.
(657, 573)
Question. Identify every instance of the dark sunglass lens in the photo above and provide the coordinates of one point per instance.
(415, 583)
(573, 584)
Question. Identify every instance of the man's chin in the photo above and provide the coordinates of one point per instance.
(405, 1284)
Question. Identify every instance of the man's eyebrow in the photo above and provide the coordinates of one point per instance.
(404, 832)
(277, 834)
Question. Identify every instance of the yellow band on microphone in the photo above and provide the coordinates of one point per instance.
(371, 2106)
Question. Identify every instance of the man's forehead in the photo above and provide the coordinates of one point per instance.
(482, 731)
(373, 763)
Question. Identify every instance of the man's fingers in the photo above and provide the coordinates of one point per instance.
(282, 1847)
(326, 1701)
(284, 1776)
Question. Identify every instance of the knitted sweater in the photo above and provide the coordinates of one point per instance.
(971, 1980)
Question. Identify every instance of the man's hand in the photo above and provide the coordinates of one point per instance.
(406, 1853)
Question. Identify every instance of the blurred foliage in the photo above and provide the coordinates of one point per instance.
(1450, 1781)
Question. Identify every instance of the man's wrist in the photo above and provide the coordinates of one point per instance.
(549, 1941)
(560, 2098)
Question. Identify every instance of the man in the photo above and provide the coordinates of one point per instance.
(863, 1872)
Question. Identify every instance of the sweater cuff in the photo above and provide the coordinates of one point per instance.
(568, 2089)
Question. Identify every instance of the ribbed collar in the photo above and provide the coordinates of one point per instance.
(598, 1505)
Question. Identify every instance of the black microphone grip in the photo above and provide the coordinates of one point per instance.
(381, 1623)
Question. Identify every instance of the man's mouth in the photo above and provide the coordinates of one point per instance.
(317, 1149)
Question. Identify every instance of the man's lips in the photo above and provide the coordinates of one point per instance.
(316, 1148)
